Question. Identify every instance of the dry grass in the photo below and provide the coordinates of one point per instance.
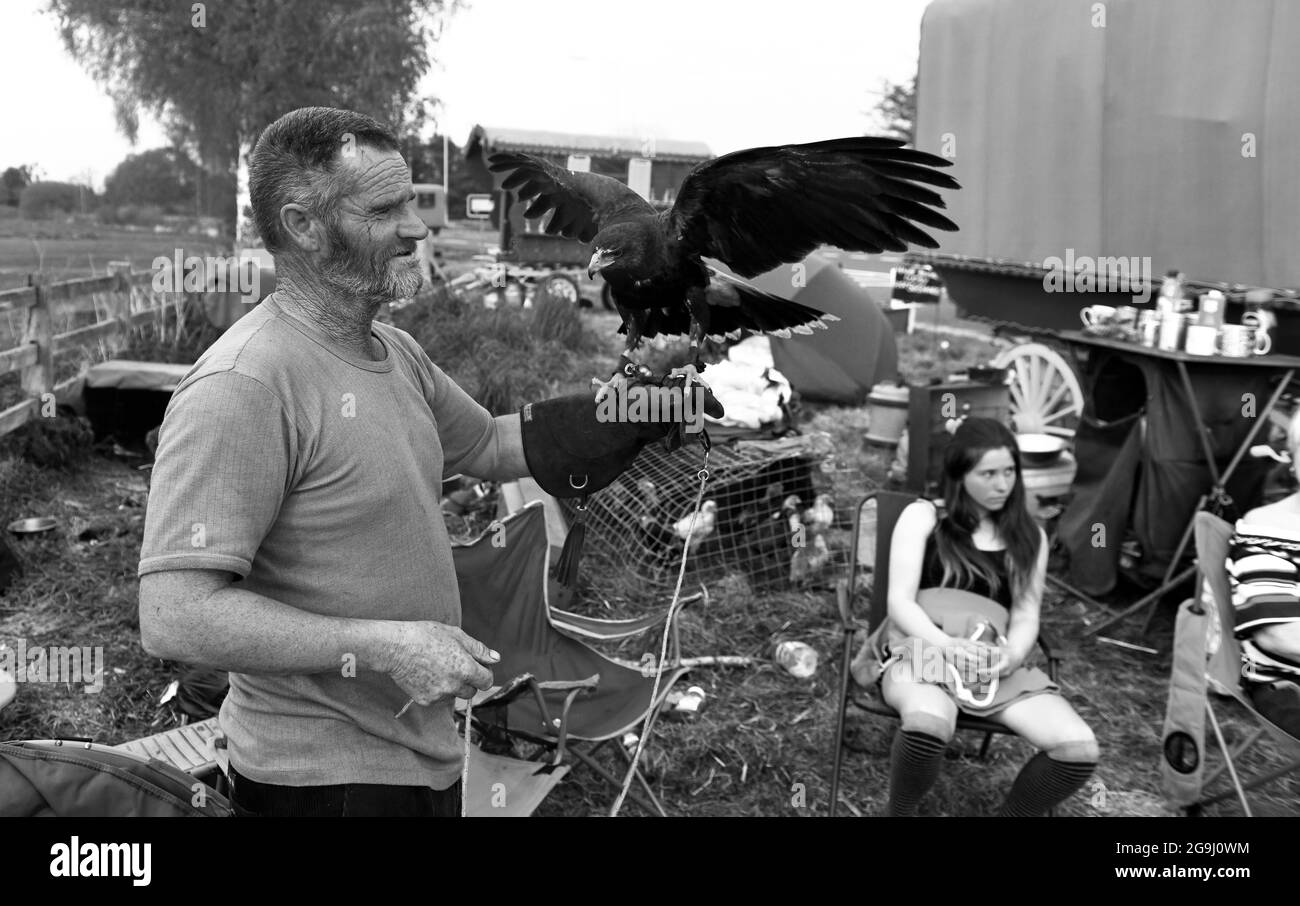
(763, 744)
(504, 357)
(79, 588)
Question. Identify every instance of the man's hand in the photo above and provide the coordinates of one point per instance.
(432, 661)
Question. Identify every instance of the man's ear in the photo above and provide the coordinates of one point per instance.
(301, 228)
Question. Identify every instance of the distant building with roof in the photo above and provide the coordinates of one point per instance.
(653, 167)
(622, 157)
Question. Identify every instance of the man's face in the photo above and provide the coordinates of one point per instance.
(371, 243)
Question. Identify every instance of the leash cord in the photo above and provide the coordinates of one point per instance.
(651, 709)
(464, 771)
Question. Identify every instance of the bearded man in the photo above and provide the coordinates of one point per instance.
(294, 534)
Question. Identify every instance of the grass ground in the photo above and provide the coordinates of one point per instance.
(761, 746)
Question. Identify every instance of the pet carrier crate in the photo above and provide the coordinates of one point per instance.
(769, 511)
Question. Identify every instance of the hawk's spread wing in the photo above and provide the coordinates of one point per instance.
(764, 207)
(584, 203)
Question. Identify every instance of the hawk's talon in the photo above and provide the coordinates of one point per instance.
(691, 375)
(617, 384)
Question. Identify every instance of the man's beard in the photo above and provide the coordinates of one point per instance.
(374, 280)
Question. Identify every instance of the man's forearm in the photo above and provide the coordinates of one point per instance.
(503, 460)
(244, 632)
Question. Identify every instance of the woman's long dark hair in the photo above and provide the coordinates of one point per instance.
(1017, 529)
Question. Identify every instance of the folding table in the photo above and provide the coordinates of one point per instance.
(1191, 370)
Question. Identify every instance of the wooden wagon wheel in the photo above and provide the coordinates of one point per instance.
(1045, 395)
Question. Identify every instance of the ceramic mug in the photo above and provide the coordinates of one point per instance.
(1262, 319)
(1127, 316)
(1201, 340)
(1096, 314)
(1242, 340)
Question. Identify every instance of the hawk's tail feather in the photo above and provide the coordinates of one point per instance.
(741, 309)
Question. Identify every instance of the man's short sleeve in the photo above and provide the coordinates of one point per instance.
(465, 428)
(226, 451)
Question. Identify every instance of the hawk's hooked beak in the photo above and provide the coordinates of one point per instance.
(601, 259)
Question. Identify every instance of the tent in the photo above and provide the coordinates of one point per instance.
(1141, 466)
(843, 363)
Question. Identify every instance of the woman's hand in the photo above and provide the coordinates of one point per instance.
(973, 659)
(1006, 661)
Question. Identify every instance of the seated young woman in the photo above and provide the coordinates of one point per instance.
(1264, 575)
(989, 545)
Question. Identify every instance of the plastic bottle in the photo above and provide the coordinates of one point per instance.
(797, 658)
(692, 702)
(1171, 293)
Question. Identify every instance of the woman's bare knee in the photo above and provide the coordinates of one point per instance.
(1068, 738)
(922, 708)
(1047, 722)
(937, 725)
(1079, 743)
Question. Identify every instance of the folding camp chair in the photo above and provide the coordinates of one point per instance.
(889, 506)
(559, 691)
(1207, 652)
(498, 786)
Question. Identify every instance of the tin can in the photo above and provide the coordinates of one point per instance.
(1211, 312)
(798, 658)
(1172, 328)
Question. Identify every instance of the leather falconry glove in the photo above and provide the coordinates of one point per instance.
(575, 447)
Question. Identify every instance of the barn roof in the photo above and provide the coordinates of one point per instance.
(493, 138)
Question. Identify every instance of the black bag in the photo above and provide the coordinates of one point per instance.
(68, 779)
(201, 691)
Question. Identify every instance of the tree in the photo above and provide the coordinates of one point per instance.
(45, 199)
(425, 160)
(164, 177)
(12, 183)
(896, 111)
(218, 74)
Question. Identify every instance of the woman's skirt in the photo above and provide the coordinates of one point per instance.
(909, 658)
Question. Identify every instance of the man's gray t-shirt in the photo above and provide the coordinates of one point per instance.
(316, 477)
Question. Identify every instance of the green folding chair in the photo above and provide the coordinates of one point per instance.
(559, 693)
(1207, 652)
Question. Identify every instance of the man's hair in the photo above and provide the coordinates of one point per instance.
(295, 158)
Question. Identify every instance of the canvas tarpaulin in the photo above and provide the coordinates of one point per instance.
(1160, 128)
(857, 352)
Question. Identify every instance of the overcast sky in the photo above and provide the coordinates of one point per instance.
(730, 74)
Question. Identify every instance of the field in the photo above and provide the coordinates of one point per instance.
(67, 251)
(763, 742)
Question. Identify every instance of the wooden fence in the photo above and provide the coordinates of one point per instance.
(34, 357)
